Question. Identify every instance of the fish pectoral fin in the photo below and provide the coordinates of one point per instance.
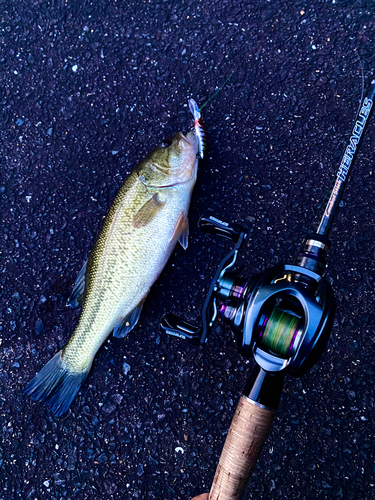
(148, 212)
(181, 231)
(129, 321)
(78, 294)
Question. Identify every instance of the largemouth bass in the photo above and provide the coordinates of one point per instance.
(147, 218)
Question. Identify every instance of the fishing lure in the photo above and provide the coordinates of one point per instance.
(199, 126)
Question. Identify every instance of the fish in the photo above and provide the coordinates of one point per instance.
(146, 220)
(199, 126)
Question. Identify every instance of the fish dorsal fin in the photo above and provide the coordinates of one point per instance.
(181, 231)
(78, 295)
(127, 323)
(148, 212)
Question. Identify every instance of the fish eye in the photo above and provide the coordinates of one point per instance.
(166, 143)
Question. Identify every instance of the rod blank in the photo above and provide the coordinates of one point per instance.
(343, 172)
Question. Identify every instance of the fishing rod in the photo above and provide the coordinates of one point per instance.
(282, 318)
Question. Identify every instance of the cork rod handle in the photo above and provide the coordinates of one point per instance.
(246, 436)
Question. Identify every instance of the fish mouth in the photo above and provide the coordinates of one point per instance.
(187, 147)
(189, 141)
(191, 137)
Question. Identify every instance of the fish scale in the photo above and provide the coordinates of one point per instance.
(119, 277)
(143, 225)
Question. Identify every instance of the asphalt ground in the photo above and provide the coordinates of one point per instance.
(87, 89)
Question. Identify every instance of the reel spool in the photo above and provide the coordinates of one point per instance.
(280, 332)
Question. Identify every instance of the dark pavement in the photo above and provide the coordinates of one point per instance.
(87, 89)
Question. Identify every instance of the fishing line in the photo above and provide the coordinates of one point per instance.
(279, 332)
(363, 80)
(218, 90)
(199, 125)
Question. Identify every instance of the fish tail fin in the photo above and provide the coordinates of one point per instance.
(56, 385)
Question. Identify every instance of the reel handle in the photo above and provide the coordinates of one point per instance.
(248, 431)
(176, 326)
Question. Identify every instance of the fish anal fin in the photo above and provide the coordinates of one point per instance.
(148, 212)
(129, 321)
(181, 231)
(78, 294)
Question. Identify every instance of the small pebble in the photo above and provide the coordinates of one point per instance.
(140, 470)
(39, 327)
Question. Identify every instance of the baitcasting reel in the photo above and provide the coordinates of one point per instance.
(282, 317)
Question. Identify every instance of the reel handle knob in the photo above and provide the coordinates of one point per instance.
(212, 225)
(177, 327)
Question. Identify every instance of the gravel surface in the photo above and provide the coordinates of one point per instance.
(87, 89)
